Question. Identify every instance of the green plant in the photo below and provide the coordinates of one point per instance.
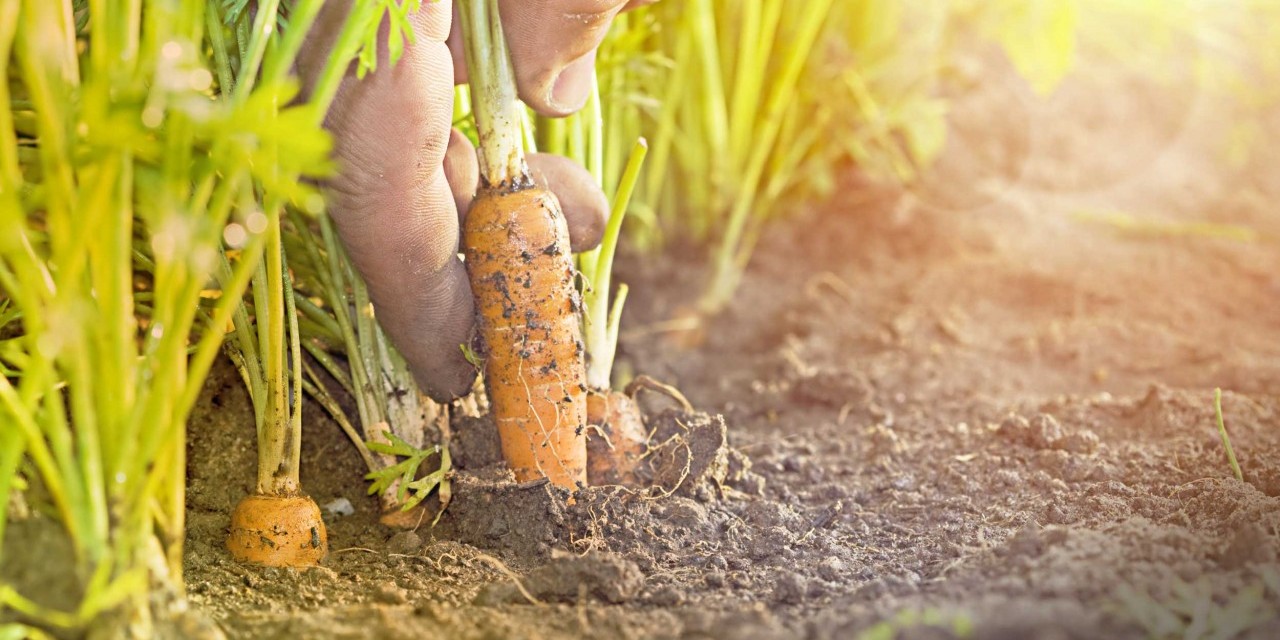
(584, 137)
(733, 87)
(103, 388)
(1226, 440)
(372, 372)
(399, 477)
(267, 525)
(755, 109)
(958, 623)
(120, 172)
(262, 350)
(759, 107)
(601, 317)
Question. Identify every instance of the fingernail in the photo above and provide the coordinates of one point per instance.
(570, 89)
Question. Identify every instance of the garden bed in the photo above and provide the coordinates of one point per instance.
(984, 406)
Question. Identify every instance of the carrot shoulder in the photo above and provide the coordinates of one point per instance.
(519, 263)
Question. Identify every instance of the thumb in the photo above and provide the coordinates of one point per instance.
(553, 45)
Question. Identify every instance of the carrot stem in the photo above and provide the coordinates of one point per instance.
(497, 110)
(277, 440)
(601, 341)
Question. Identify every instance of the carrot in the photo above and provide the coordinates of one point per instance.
(616, 438)
(518, 260)
(520, 266)
(277, 525)
(278, 531)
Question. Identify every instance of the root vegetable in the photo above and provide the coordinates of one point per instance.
(277, 525)
(519, 263)
(616, 438)
(517, 248)
(278, 531)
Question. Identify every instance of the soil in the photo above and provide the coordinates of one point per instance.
(973, 408)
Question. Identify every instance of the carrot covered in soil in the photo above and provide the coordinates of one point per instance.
(516, 244)
(617, 439)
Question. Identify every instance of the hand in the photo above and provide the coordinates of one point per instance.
(405, 177)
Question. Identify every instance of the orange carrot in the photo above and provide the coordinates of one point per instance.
(518, 260)
(616, 438)
(278, 531)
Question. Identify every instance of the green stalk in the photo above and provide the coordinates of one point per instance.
(49, 69)
(592, 122)
(360, 376)
(43, 457)
(497, 110)
(222, 62)
(12, 446)
(115, 284)
(366, 332)
(316, 390)
(527, 137)
(612, 113)
(264, 26)
(292, 462)
(577, 143)
(322, 322)
(759, 35)
(553, 135)
(246, 344)
(601, 322)
(207, 347)
(715, 116)
(331, 367)
(585, 130)
(302, 15)
(277, 471)
(664, 134)
(11, 599)
(727, 273)
(1226, 441)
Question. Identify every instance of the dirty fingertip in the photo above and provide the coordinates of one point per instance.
(585, 207)
(569, 91)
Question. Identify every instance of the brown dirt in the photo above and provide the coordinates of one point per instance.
(960, 410)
